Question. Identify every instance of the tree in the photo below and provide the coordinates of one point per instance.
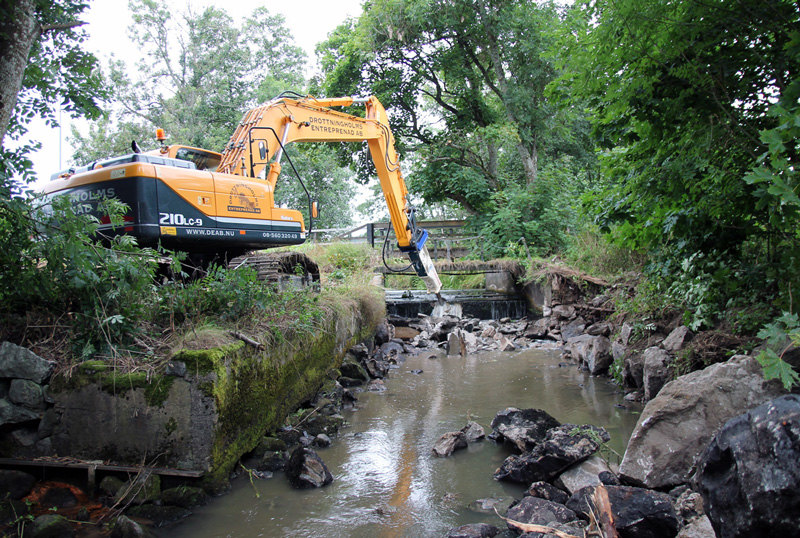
(43, 64)
(465, 90)
(681, 94)
(199, 72)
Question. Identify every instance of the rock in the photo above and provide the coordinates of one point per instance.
(159, 516)
(376, 385)
(47, 426)
(563, 312)
(15, 414)
(656, 371)
(625, 334)
(699, 527)
(11, 510)
(749, 476)
(473, 431)
(175, 368)
(548, 492)
(488, 332)
(391, 350)
(455, 347)
(504, 344)
(488, 506)
(349, 382)
(573, 328)
(376, 368)
(633, 370)
(618, 350)
(184, 496)
(384, 333)
(523, 427)
(473, 530)
(145, 487)
(536, 511)
(305, 469)
(470, 342)
(353, 370)
(321, 441)
(125, 527)
(594, 352)
(583, 474)
(20, 363)
(676, 426)
(638, 512)
(15, 484)
(58, 497)
(677, 339)
(109, 485)
(51, 526)
(27, 394)
(448, 443)
(558, 451)
(538, 329)
(602, 328)
(273, 461)
(405, 333)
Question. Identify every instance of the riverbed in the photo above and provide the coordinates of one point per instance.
(387, 483)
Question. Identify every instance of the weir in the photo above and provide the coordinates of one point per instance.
(462, 303)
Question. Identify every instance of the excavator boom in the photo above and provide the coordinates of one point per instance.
(257, 145)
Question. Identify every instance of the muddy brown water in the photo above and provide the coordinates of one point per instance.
(387, 483)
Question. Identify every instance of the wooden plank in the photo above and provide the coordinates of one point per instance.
(76, 464)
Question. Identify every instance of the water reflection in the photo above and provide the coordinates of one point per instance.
(387, 482)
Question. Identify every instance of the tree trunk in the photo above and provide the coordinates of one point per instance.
(19, 29)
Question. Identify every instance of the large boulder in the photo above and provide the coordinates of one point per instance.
(523, 427)
(676, 426)
(51, 526)
(448, 443)
(15, 484)
(749, 476)
(563, 447)
(21, 363)
(306, 469)
(583, 474)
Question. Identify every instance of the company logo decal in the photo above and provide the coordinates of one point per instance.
(243, 199)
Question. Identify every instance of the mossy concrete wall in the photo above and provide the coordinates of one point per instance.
(210, 407)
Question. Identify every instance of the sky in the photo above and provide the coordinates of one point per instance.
(310, 21)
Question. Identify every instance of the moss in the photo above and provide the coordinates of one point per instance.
(92, 367)
(171, 426)
(205, 361)
(116, 383)
(157, 391)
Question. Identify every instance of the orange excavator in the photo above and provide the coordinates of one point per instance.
(221, 205)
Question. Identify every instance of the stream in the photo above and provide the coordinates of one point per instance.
(387, 483)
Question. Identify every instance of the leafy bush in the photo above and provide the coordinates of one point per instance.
(779, 336)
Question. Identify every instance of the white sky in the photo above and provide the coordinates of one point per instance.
(309, 21)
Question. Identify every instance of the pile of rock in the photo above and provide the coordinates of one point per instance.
(27, 412)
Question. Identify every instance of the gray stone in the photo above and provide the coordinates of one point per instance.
(473, 431)
(159, 516)
(321, 441)
(504, 344)
(637, 512)
(548, 492)
(525, 428)
(27, 394)
(110, 485)
(625, 334)
(677, 339)
(676, 426)
(536, 511)
(656, 371)
(51, 526)
(455, 346)
(489, 505)
(602, 328)
(699, 527)
(143, 488)
(583, 474)
(633, 370)
(618, 350)
(563, 312)
(749, 476)
(125, 527)
(306, 469)
(593, 352)
(184, 496)
(20, 363)
(473, 530)
(175, 368)
(574, 328)
(14, 414)
(448, 443)
(15, 484)
(561, 448)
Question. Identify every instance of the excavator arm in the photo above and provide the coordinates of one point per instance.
(257, 146)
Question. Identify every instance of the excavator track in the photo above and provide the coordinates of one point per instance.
(286, 269)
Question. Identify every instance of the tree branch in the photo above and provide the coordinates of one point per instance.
(61, 26)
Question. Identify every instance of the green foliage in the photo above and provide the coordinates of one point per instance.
(779, 336)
